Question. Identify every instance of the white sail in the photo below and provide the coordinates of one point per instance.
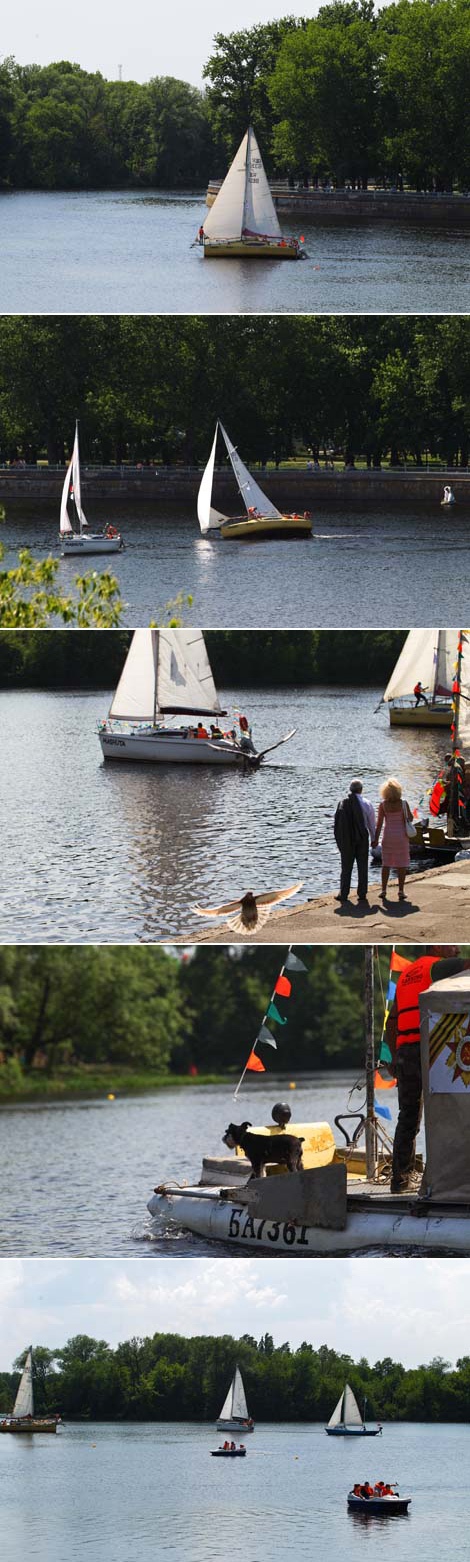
(209, 518)
(184, 677)
(77, 487)
(351, 1412)
(337, 1418)
(252, 495)
(463, 717)
(446, 656)
(23, 1405)
(416, 663)
(239, 1405)
(135, 697)
(166, 670)
(260, 214)
(244, 201)
(65, 523)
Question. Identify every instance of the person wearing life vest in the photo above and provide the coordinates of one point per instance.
(201, 730)
(403, 1039)
(420, 697)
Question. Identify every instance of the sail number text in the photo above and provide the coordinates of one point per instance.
(244, 1228)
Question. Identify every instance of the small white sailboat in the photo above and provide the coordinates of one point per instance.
(347, 1420)
(80, 540)
(426, 659)
(448, 497)
(234, 1415)
(243, 220)
(167, 673)
(22, 1418)
(262, 519)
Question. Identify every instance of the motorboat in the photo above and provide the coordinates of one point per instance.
(347, 1421)
(380, 1506)
(77, 538)
(228, 1453)
(262, 521)
(22, 1418)
(243, 222)
(166, 674)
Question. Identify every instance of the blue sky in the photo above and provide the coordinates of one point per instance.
(411, 1309)
(148, 38)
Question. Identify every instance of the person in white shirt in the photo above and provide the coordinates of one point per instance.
(367, 808)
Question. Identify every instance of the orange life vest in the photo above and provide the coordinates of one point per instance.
(437, 798)
(410, 984)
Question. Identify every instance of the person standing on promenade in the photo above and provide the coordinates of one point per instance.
(393, 817)
(354, 824)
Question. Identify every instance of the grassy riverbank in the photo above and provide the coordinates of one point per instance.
(98, 1080)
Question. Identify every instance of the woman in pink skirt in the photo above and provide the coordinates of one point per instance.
(392, 817)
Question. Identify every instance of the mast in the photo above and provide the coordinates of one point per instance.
(456, 698)
(370, 1131)
(155, 692)
(247, 166)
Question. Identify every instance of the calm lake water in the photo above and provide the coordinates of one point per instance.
(123, 252)
(354, 571)
(117, 852)
(120, 1149)
(112, 1492)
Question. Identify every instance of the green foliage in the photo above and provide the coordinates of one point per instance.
(150, 387)
(168, 1378)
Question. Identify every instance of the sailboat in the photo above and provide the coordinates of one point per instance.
(427, 657)
(234, 1413)
(167, 673)
(262, 519)
(347, 1421)
(243, 220)
(81, 540)
(22, 1418)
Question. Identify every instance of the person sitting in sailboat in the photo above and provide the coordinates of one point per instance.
(202, 730)
(216, 731)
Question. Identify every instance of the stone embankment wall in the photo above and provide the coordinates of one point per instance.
(293, 489)
(354, 205)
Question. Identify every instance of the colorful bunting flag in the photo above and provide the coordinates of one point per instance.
(383, 1084)
(254, 1065)
(283, 987)
(273, 1014)
(398, 963)
(265, 1035)
(383, 1111)
(293, 963)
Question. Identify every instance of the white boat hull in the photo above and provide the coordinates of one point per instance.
(90, 544)
(201, 1211)
(174, 748)
(234, 1426)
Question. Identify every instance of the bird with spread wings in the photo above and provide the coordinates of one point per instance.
(251, 911)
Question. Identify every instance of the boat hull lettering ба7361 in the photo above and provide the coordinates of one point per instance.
(82, 540)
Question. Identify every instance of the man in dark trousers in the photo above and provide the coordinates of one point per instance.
(403, 1038)
(354, 823)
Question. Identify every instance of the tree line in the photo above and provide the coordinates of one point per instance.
(143, 1008)
(351, 94)
(169, 1378)
(245, 657)
(149, 388)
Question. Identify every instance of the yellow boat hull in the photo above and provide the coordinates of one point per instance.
(266, 526)
(248, 249)
(421, 716)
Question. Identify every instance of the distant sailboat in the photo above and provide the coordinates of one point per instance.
(234, 1413)
(243, 220)
(347, 1421)
(262, 519)
(81, 540)
(427, 657)
(167, 673)
(22, 1418)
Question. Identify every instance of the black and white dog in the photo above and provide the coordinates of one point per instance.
(285, 1149)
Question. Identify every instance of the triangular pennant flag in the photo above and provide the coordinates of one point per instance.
(294, 964)
(398, 962)
(255, 1064)
(283, 987)
(383, 1084)
(265, 1035)
(383, 1111)
(273, 1014)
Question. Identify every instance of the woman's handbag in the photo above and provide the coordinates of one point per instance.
(409, 826)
